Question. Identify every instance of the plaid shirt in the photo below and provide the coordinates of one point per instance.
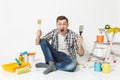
(71, 39)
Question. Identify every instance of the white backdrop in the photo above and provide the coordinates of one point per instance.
(18, 21)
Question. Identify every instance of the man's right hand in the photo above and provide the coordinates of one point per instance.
(37, 40)
(39, 33)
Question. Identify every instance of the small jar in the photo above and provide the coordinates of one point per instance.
(21, 58)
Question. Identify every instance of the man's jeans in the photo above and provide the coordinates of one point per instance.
(62, 61)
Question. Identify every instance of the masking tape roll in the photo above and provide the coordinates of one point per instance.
(23, 70)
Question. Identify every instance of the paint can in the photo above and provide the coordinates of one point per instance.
(31, 58)
(97, 66)
(106, 67)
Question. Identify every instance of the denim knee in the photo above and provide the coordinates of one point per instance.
(43, 42)
(71, 67)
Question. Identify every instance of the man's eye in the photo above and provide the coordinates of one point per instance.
(64, 24)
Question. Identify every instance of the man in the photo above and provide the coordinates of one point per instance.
(60, 54)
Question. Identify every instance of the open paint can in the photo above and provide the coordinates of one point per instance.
(106, 67)
(97, 66)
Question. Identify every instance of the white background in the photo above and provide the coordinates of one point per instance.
(18, 22)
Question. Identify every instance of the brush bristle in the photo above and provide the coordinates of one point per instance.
(39, 21)
(81, 28)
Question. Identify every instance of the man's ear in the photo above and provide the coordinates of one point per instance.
(56, 24)
(68, 25)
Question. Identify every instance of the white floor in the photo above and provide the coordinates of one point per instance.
(82, 73)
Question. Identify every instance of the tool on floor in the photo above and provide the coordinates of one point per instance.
(23, 70)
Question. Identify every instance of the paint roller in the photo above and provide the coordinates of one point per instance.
(81, 29)
(23, 70)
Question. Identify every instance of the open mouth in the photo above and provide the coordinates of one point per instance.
(61, 30)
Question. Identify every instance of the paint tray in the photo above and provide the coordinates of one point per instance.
(11, 67)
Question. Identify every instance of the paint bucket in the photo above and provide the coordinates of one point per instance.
(97, 67)
(100, 38)
(106, 67)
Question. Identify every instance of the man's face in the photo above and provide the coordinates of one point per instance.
(62, 26)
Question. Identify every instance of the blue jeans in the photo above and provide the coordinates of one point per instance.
(62, 61)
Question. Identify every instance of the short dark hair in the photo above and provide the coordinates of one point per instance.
(61, 18)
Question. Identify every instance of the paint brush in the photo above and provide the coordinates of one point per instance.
(81, 29)
(39, 23)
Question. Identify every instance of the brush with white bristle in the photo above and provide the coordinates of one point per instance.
(39, 23)
(81, 29)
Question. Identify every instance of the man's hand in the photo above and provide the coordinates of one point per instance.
(80, 41)
(39, 33)
(80, 48)
(37, 40)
